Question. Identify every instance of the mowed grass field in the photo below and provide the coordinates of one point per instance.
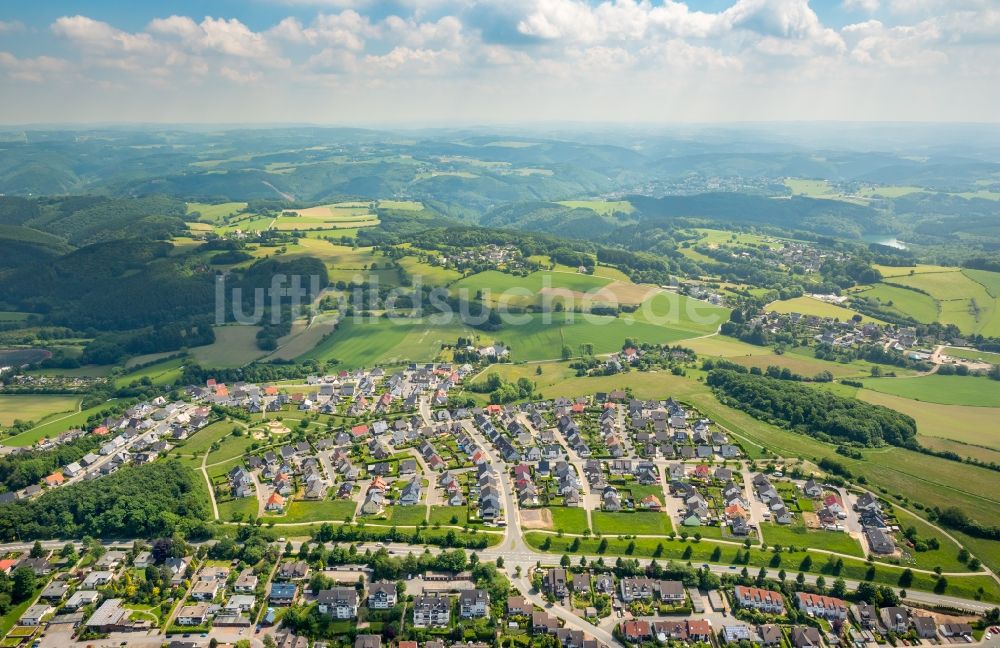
(977, 391)
(964, 297)
(35, 407)
(905, 302)
(809, 306)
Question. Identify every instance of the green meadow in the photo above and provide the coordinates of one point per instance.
(947, 390)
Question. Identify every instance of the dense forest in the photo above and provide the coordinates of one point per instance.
(816, 412)
(153, 500)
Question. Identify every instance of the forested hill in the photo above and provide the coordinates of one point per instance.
(829, 217)
(816, 412)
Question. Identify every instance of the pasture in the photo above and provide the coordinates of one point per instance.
(602, 207)
(35, 407)
(430, 275)
(538, 336)
(803, 365)
(920, 268)
(234, 346)
(161, 373)
(908, 303)
(208, 213)
(53, 427)
(13, 316)
(977, 391)
(964, 423)
(964, 299)
(401, 205)
(810, 306)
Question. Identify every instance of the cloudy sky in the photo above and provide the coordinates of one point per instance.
(498, 61)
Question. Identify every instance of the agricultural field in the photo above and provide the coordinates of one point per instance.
(431, 275)
(493, 285)
(54, 426)
(540, 337)
(215, 214)
(35, 407)
(327, 217)
(935, 420)
(908, 303)
(809, 306)
(964, 299)
(13, 316)
(715, 238)
(161, 373)
(602, 207)
(802, 364)
(976, 391)
(401, 205)
(920, 268)
(234, 346)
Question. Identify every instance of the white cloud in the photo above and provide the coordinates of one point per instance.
(36, 69)
(870, 6)
(901, 46)
(229, 37)
(100, 36)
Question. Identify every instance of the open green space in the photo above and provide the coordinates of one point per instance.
(443, 515)
(234, 346)
(964, 298)
(35, 407)
(53, 427)
(945, 556)
(231, 447)
(244, 507)
(215, 213)
(977, 391)
(320, 511)
(406, 515)
(634, 523)
(902, 301)
(798, 535)
(201, 441)
(159, 374)
(967, 424)
(568, 519)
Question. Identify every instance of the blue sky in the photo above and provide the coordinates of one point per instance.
(499, 61)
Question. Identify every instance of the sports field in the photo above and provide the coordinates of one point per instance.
(947, 390)
(809, 306)
(35, 407)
